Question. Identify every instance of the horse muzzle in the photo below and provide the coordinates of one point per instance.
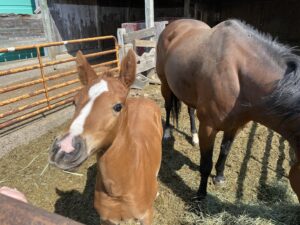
(68, 152)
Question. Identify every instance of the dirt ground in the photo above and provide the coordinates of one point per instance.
(256, 191)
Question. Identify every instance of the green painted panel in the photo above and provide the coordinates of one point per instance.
(23, 54)
(17, 6)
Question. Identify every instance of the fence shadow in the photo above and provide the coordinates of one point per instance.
(238, 213)
(279, 165)
(262, 193)
(79, 206)
(243, 170)
(172, 161)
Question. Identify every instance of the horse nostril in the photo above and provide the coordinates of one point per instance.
(78, 145)
(55, 146)
(75, 154)
(59, 156)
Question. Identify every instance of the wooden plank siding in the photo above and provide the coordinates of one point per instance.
(140, 34)
(144, 43)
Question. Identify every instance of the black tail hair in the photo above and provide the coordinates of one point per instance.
(176, 108)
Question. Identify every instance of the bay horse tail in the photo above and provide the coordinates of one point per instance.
(176, 109)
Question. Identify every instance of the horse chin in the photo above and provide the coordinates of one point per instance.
(67, 161)
(68, 165)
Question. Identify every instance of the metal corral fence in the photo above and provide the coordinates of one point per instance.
(50, 89)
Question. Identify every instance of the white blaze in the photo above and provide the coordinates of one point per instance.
(95, 91)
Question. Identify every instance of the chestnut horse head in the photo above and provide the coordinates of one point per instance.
(97, 108)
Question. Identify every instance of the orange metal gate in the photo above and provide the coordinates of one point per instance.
(38, 93)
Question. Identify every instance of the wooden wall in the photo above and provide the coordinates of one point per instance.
(73, 19)
(279, 18)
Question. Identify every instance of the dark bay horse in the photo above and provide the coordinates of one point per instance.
(127, 143)
(231, 74)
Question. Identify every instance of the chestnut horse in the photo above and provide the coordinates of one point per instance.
(127, 143)
(231, 74)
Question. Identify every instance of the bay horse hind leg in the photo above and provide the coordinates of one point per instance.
(169, 101)
(195, 138)
(207, 137)
(227, 141)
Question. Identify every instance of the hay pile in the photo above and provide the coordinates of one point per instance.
(256, 192)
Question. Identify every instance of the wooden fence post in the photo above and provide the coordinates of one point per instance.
(149, 13)
(120, 35)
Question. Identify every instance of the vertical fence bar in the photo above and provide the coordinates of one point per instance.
(120, 33)
(117, 53)
(43, 75)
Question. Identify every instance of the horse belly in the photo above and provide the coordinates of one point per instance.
(185, 68)
(181, 82)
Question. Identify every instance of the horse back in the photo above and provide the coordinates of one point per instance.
(172, 35)
(198, 64)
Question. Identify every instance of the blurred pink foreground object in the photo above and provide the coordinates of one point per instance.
(13, 193)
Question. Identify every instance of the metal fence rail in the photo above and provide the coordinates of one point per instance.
(13, 111)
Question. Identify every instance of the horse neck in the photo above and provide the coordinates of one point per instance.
(273, 121)
(273, 114)
(286, 128)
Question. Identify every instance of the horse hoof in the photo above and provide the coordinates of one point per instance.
(195, 139)
(166, 137)
(167, 133)
(199, 197)
(219, 180)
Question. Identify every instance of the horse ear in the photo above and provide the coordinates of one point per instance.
(85, 71)
(128, 69)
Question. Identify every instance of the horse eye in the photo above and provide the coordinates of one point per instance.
(117, 107)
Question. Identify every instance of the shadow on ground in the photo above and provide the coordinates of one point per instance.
(79, 206)
(273, 199)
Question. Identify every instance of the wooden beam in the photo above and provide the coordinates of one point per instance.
(146, 61)
(196, 8)
(140, 34)
(120, 34)
(48, 27)
(144, 43)
(187, 8)
(149, 13)
(146, 64)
